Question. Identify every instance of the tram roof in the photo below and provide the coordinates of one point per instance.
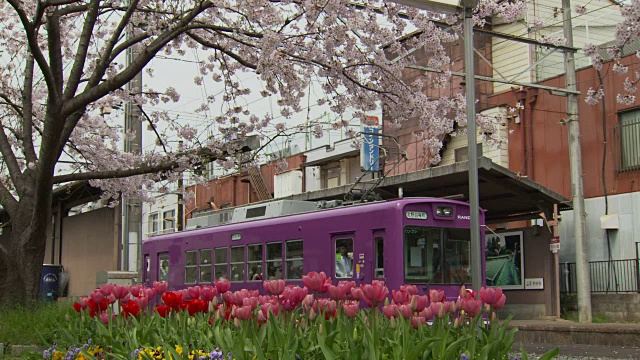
(503, 194)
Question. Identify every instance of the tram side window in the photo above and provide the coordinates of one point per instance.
(237, 263)
(220, 263)
(147, 268)
(344, 258)
(379, 242)
(422, 255)
(254, 262)
(163, 267)
(190, 266)
(274, 261)
(293, 256)
(205, 265)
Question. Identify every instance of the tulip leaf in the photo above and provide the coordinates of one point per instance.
(550, 354)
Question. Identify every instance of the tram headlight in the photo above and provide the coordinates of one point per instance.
(444, 211)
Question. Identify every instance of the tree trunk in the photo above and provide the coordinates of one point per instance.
(22, 254)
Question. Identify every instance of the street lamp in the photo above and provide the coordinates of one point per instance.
(452, 6)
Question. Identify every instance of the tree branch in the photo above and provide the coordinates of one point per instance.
(81, 53)
(11, 161)
(153, 127)
(115, 174)
(55, 58)
(32, 39)
(11, 104)
(8, 202)
(232, 55)
(27, 112)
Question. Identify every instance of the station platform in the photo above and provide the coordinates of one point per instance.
(588, 341)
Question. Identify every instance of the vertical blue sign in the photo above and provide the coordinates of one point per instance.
(370, 148)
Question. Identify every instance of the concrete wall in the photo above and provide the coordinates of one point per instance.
(538, 263)
(623, 241)
(90, 243)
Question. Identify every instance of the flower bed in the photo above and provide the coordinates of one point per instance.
(320, 320)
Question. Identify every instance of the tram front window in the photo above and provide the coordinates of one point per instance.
(435, 255)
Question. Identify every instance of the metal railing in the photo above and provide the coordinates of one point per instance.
(616, 276)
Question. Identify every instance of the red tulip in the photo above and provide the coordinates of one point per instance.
(351, 308)
(77, 306)
(172, 300)
(274, 287)
(314, 281)
(195, 306)
(223, 286)
(163, 310)
(130, 308)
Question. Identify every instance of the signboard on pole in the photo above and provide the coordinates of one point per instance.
(370, 147)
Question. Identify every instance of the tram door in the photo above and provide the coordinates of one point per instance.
(353, 260)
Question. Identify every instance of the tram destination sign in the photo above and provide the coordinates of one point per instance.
(417, 215)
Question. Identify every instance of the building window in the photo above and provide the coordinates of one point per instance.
(254, 262)
(163, 267)
(190, 267)
(237, 263)
(293, 258)
(274, 261)
(629, 141)
(153, 223)
(169, 221)
(462, 154)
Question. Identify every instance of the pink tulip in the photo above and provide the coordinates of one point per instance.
(120, 292)
(500, 303)
(350, 308)
(309, 302)
(148, 292)
(265, 309)
(390, 311)
(294, 294)
(466, 293)
(111, 298)
(274, 287)
(411, 289)
(470, 306)
(84, 302)
(194, 292)
(436, 295)
(314, 281)
(400, 296)
(325, 287)
(426, 314)
(405, 311)
(236, 297)
(356, 294)
(375, 293)
(223, 286)
(160, 287)
(441, 309)
(338, 292)
(419, 302)
(136, 290)
(142, 302)
(97, 296)
(417, 321)
(207, 293)
(250, 301)
(105, 317)
(490, 295)
(289, 305)
(349, 284)
(261, 317)
(326, 305)
(106, 289)
(241, 312)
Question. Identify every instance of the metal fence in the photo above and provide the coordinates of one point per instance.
(606, 276)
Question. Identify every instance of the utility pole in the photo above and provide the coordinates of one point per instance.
(583, 279)
(131, 207)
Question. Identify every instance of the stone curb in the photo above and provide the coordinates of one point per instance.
(16, 350)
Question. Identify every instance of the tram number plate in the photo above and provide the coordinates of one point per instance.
(417, 215)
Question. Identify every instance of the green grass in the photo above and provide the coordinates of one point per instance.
(33, 325)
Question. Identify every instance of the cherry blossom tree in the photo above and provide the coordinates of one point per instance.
(63, 62)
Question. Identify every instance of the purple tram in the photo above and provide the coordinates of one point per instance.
(421, 241)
